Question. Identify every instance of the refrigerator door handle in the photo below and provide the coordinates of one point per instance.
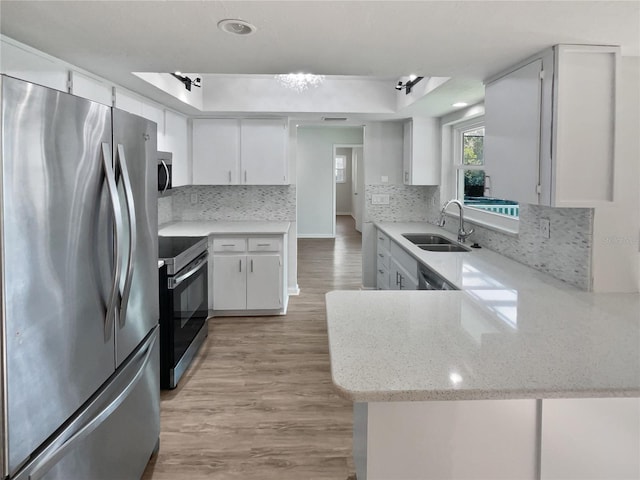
(60, 451)
(117, 226)
(133, 232)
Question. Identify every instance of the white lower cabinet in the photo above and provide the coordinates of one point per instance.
(230, 282)
(248, 275)
(590, 438)
(263, 291)
(396, 269)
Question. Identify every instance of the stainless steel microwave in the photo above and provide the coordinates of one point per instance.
(164, 172)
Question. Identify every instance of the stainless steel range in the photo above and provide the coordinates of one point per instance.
(183, 304)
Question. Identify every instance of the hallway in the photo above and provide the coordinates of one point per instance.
(258, 401)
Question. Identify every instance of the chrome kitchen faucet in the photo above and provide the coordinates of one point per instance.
(462, 234)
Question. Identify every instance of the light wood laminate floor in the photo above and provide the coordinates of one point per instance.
(258, 402)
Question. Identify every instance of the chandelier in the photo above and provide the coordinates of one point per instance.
(299, 82)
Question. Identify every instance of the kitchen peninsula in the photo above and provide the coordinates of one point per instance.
(515, 375)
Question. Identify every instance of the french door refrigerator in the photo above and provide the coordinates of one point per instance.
(78, 240)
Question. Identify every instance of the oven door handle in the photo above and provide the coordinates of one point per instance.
(175, 281)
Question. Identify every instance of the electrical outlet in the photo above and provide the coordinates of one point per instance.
(545, 228)
(379, 199)
(194, 198)
(384, 179)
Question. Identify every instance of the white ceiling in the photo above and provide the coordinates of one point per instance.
(466, 40)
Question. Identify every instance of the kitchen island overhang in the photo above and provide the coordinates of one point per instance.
(444, 388)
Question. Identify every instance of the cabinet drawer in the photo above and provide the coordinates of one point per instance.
(229, 244)
(382, 275)
(383, 240)
(405, 260)
(383, 257)
(264, 245)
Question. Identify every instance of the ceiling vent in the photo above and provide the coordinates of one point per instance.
(334, 119)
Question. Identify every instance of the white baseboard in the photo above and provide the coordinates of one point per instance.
(294, 290)
(316, 235)
(344, 213)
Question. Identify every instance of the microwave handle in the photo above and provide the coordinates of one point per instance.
(166, 182)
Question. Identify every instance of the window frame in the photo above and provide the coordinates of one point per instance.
(491, 220)
(344, 169)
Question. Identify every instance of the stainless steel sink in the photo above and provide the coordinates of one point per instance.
(427, 239)
(444, 248)
(434, 243)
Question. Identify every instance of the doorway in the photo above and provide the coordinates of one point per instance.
(316, 176)
(348, 181)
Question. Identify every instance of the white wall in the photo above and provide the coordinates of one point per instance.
(315, 177)
(262, 93)
(616, 262)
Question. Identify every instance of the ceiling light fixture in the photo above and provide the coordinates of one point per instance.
(459, 104)
(409, 84)
(300, 82)
(187, 82)
(236, 27)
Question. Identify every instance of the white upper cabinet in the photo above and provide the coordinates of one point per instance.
(28, 64)
(549, 128)
(216, 152)
(91, 88)
(263, 155)
(240, 152)
(421, 152)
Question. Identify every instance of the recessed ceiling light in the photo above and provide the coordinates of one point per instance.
(460, 104)
(236, 27)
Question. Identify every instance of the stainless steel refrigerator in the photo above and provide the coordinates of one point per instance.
(79, 287)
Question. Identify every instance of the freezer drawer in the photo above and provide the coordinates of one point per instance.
(122, 426)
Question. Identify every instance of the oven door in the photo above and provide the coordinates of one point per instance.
(186, 314)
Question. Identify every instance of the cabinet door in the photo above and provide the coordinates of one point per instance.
(262, 151)
(590, 438)
(512, 134)
(394, 275)
(421, 152)
(407, 153)
(264, 282)
(216, 152)
(229, 282)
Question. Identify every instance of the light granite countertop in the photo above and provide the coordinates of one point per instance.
(510, 333)
(204, 228)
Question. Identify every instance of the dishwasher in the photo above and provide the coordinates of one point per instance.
(430, 280)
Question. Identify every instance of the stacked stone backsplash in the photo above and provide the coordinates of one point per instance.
(233, 203)
(565, 256)
(406, 203)
(165, 209)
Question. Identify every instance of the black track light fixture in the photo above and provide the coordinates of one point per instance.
(196, 82)
(408, 85)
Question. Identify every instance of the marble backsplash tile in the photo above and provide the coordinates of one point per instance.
(165, 209)
(565, 256)
(234, 202)
(407, 203)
